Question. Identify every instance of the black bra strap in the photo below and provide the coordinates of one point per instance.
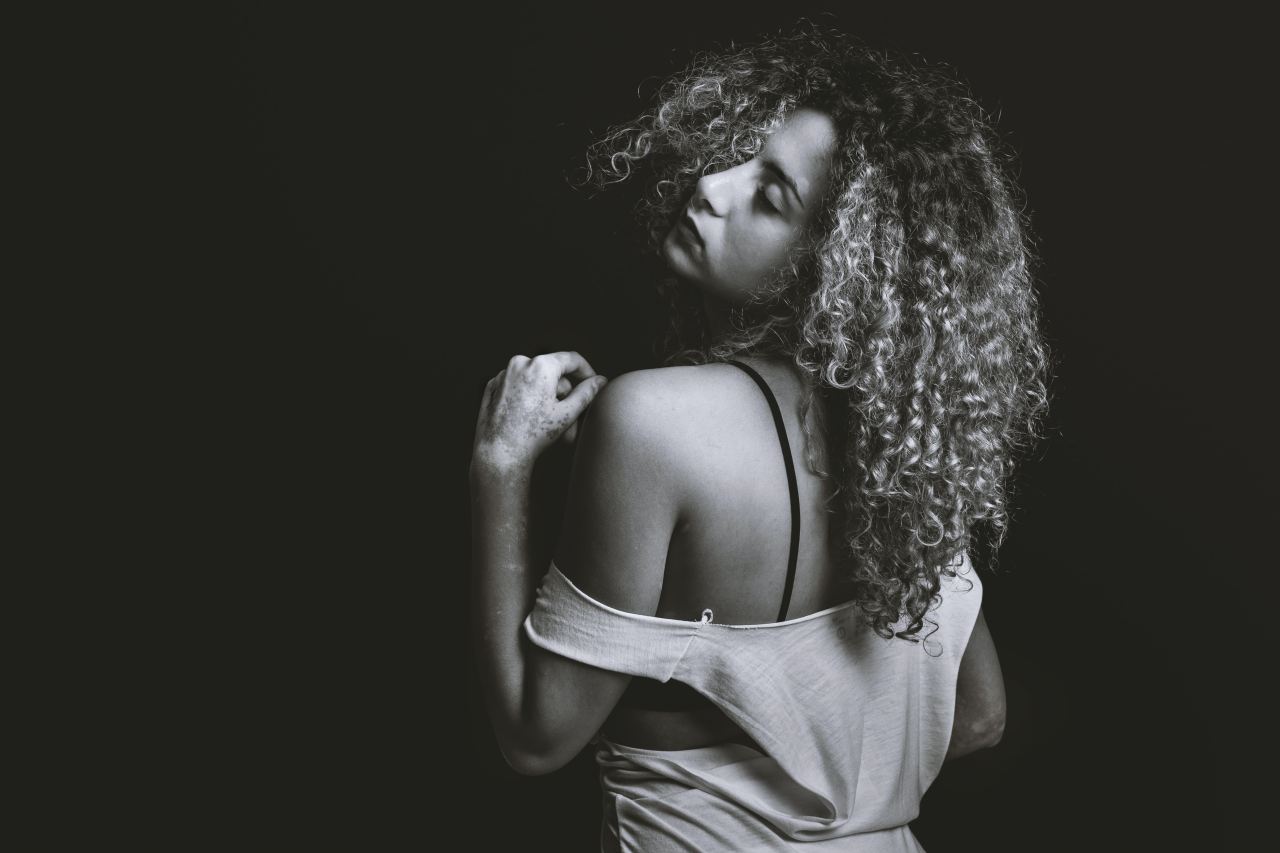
(791, 483)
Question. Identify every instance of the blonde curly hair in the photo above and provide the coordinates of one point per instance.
(908, 303)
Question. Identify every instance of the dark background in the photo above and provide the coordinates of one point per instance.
(382, 221)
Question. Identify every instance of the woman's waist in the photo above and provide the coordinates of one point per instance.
(731, 772)
(740, 783)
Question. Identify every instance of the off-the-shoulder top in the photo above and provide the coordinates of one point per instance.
(854, 727)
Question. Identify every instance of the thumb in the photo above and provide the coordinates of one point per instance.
(581, 396)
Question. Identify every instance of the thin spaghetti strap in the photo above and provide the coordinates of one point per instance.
(791, 484)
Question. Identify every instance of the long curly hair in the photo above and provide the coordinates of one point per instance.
(908, 303)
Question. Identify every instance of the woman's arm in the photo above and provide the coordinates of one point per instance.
(623, 504)
(520, 416)
(980, 705)
(503, 585)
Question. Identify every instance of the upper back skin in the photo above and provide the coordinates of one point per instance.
(729, 550)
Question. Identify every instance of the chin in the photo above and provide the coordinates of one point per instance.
(677, 259)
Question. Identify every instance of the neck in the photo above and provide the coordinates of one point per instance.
(717, 313)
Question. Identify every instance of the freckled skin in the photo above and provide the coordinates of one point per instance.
(747, 217)
(530, 405)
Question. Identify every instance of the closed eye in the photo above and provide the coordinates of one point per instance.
(762, 192)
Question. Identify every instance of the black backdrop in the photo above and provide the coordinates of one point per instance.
(387, 223)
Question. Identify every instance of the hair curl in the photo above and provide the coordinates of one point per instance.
(908, 304)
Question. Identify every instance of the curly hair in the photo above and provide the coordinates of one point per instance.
(908, 303)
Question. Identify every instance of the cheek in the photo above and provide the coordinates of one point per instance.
(761, 254)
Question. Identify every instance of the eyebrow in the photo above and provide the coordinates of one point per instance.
(784, 177)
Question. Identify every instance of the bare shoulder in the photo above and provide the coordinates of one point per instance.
(670, 421)
(663, 402)
(635, 473)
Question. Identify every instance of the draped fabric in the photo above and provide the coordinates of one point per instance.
(854, 727)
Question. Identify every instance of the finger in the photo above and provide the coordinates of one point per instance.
(483, 408)
(487, 394)
(494, 386)
(570, 363)
(583, 393)
(563, 387)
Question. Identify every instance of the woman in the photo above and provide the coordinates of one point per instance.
(844, 239)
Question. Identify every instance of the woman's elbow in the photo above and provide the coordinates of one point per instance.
(990, 730)
(528, 761)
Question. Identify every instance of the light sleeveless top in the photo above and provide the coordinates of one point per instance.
(854, 727)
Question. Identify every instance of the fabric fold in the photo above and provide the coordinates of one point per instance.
(854, 727)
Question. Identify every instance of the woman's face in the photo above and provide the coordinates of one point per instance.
(747, 217)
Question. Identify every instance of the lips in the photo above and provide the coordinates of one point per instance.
(687, 222)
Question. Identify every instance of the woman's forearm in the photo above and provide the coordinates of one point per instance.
(503, 587)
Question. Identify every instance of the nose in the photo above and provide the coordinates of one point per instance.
(714, 192)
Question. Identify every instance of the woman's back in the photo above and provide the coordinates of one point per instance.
(729, 553)
(819, 731)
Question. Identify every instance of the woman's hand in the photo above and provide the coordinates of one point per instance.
(530, 405)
